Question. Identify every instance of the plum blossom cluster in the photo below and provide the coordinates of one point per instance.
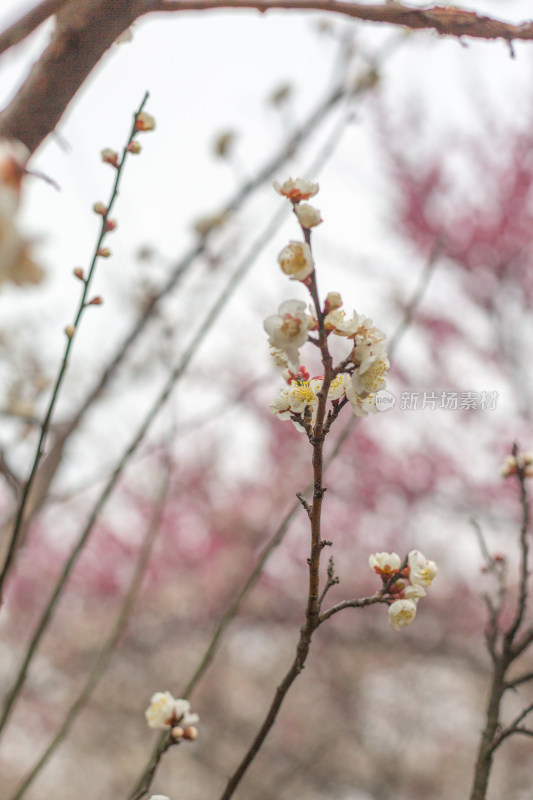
(362, 373)
(165, 711)
(404, 583)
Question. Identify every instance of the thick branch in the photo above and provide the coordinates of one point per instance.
(446, 21)
(28, 23)
(85, 30)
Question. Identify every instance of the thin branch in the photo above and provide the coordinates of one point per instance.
(71, 335)
(524, 553)
(29, 22)
(104, 656)
(513, 727)
(525, 678)
(361, 602)
(446, 21)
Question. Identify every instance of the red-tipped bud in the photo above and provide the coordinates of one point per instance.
(78, 273)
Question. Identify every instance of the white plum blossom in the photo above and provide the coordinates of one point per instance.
(401, 613)
(338, 386)
(287, 330)
(296, 260)
(359, 328)
(421, 570)
(160, 711)
(361, 405)
(182, 713)
(385, 563)
(295, 398)
(296, 189)
(308, 216)
(165, 711)
(372, 364)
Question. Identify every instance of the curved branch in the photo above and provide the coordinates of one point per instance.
(446, 21)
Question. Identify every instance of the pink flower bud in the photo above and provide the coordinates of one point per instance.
(96, 301)
(110, 225)
(110, 157)
(103, 252)
(100, 208)
(134, 147)
(144, 122)
(190, 733)
(78, 272)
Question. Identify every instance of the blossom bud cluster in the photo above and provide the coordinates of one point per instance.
(405, 584)
(165, 711)
(362, 373)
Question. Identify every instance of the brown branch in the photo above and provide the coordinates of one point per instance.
(85, 30)
(446, 21)
(28, 23)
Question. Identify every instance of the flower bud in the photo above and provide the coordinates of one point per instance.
(190, 733)
(78, 272)
(96, 301)
(103, 252)
(100, 208)
(177, 732)
(308, 216)
(110, 156)
(144, 122)
(70, 331)
(134, 147)
(110, 225)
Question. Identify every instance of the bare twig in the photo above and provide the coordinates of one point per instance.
(71, 334)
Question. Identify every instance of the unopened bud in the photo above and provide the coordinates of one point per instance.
(96, 301)
(103, 252)
(100, 208)
(110, 157)
(144, 122)
(110, 225)
(333, 301)
(177, 732)
(190, 733)
(78, 272)
(70, 331)
(134, 147)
